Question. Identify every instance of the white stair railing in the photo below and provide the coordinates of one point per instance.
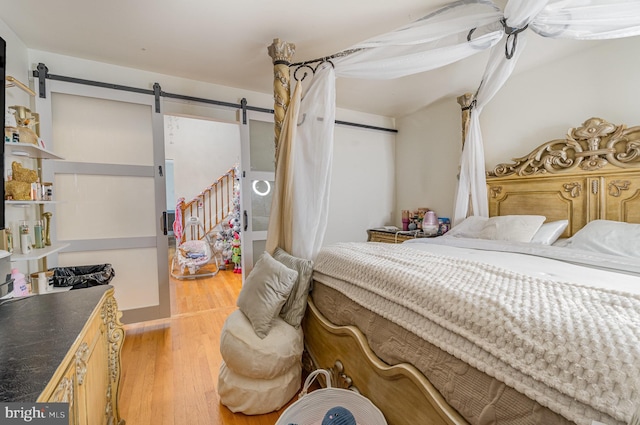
(211, 206)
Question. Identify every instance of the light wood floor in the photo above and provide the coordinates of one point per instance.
(170, 366)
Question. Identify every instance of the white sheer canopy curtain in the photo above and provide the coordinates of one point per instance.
(312, 153)
(577, 19)
(300, 203)
(436, 40)
(447, 35)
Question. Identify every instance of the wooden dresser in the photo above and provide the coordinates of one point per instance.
(64, 347)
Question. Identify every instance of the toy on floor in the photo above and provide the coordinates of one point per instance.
(236, 257)
(191, 254)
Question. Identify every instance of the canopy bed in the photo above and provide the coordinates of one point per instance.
(353, 329)
(592, 174)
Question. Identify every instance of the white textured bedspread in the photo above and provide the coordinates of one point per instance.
(572, 347)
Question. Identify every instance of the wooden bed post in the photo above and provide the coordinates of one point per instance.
(465, 103)
(281, 53)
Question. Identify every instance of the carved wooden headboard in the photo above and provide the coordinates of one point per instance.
(593, 173)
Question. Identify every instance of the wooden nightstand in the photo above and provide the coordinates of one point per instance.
(393, 236)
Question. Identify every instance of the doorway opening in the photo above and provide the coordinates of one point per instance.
(198, 151)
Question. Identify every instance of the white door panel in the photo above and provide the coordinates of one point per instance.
(111, 189)
(258, 175)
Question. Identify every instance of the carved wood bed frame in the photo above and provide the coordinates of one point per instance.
(593, 173)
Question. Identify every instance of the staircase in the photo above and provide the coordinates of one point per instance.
(211, 207)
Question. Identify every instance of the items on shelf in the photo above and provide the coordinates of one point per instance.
(425, 220)
(412, 220)
(23, 185)
(430, 223)
(27, 242)
(444, 225)
(20, 287)
(40, 282)
(47, 191)
(25, 239)
(11, 134)
(38, 234)
(9, 238)
(6, 240)
(23, 188)
(21, 125)
(405, 220)
(47, 228)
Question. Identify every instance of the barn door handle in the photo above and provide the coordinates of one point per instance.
(164, 223)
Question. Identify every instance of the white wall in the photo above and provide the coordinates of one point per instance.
(362, 184)
(543, 104)
(201, 151)
(17, 65)
(428, 148)
(532, 107)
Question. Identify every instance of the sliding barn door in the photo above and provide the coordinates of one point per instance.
(258, 176)
(110, 189)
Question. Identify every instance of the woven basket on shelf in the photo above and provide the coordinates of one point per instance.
(311, 407)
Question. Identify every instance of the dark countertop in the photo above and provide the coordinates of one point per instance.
(35, 335)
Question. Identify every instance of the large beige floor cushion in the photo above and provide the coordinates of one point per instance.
(258, 375)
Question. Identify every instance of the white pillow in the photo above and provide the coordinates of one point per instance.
(518, 228)
(549, 232)
(470, 227)
(608, 237)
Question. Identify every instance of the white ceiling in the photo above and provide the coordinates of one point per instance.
(225, 42)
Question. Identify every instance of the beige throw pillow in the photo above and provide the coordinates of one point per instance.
(264, 292)
(294, 308)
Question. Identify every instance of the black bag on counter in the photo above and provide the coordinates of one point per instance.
(79, 277)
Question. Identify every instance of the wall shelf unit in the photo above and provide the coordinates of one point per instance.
(28, 203)
(38, 253)
(37, 153)
(28, 150)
